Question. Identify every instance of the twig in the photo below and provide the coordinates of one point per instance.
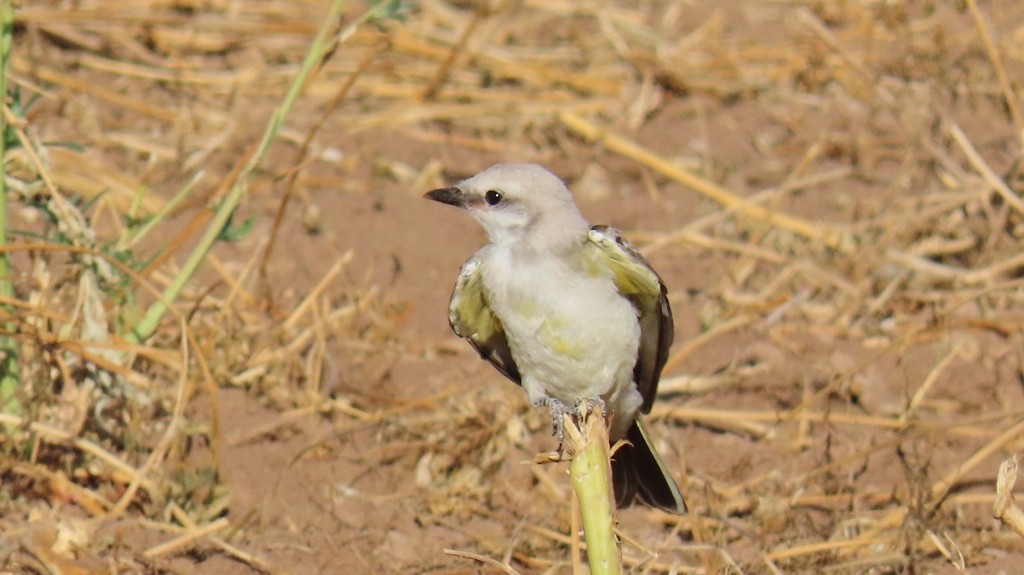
(749, 419)
(941, 488)
(957, 561)
(703, 384)
(145, 328)
(703, 339)
(435, 83)
(929, 382)
(997, 64)
(307, 143)
(814, 231)
(1005, 509)
(307, 302)
(823, 547)
(691, 232)
(55, 435)
(979, 164)
(188, 538)
(168, 436)
(235, 552)
(482, 559)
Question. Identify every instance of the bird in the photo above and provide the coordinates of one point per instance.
(569, 311)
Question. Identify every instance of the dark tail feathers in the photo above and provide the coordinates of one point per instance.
(637, 472)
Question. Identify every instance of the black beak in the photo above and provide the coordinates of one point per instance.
(452, 196)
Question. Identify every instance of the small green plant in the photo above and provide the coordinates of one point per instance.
(9, 402)
(322, 46)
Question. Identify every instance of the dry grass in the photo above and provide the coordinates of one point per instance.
(865, 223)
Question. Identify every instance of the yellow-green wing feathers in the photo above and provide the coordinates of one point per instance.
(606, 251)
(637, 281)
(471, 317)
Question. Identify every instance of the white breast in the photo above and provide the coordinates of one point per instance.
(572, 335)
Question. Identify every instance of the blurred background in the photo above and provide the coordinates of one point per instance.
(226, 306)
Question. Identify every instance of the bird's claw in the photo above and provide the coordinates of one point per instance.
(587, 405)
(558, 410)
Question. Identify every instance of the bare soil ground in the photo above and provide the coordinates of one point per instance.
(831, 190)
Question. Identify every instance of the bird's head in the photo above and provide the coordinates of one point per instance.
(518, 204)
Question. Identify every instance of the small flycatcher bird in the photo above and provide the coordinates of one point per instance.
(569, 311)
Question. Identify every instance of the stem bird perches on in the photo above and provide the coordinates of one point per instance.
(590, 473)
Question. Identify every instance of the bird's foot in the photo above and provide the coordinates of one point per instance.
(588, 405)
(578, 413)
(557, 409)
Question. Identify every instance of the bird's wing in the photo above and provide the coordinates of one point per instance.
(471, 317)
(638, 282)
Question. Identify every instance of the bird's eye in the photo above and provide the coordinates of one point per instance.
(492, 197)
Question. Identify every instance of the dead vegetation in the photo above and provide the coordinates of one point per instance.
(853, 175)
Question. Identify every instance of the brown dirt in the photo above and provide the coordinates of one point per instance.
(831, 427)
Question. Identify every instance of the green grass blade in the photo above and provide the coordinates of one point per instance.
(8, 345)
(148, 324)
(321, 46)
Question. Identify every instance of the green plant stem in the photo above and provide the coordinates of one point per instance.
(318, 50)
(8, 345)
(320, 47)
(134, 236)
(590, 474)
